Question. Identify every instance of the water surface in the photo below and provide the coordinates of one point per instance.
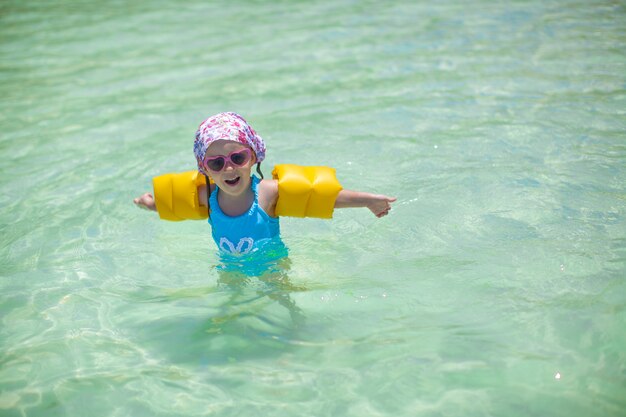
(495, 288)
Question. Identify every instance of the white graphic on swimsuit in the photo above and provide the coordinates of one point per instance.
(228, 246)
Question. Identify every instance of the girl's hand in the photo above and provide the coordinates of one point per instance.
(380, 205)
(145, 202)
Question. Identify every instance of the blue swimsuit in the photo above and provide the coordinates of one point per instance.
(241, 234)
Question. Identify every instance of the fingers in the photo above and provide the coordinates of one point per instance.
(384, 212)
(381, 205)
(144, 201)
(387, 208)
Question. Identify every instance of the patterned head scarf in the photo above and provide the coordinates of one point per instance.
(226, 126)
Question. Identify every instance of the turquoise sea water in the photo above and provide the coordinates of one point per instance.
(496, 287)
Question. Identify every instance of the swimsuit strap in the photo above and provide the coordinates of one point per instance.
(255, 188)
(208, 195)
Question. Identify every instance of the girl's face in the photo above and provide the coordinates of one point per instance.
(229, 164)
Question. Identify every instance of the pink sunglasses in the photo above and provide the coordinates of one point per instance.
(237, 158)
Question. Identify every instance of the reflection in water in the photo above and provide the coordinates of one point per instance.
(258, 275)
(248, 314)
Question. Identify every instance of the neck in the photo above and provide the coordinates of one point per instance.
(236, 205)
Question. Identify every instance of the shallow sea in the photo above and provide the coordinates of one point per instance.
(496, 287)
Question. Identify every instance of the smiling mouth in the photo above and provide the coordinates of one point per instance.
(234, 181)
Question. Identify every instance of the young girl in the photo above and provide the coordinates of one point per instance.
(242, 206)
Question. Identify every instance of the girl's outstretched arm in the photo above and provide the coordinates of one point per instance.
(377, 203)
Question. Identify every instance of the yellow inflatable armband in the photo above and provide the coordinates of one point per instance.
(306, 191)
(302, 192)
(176, 196)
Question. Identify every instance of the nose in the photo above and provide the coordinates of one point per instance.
(228, 165)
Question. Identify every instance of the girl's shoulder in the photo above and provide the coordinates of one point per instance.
(268, 195)
(270, 186)
(202, 194)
